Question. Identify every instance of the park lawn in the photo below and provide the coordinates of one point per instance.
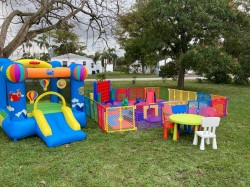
(137, 158)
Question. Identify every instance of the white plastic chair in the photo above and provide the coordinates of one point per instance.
(209, 124)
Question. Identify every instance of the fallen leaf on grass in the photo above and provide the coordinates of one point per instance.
(42, 182)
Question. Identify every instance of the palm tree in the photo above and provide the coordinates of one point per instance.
(96, 57)
(108, 57)
(42, 42)
(28, 44)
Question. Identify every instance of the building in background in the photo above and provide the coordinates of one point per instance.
(71, 58)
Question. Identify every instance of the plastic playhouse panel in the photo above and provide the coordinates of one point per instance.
(155, 89)
(220, 105)
(103, 88)
(121, 94)
(135, 93)
(203, 96)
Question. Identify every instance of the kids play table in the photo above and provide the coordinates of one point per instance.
(185, 119)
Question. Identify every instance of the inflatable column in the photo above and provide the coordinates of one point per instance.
(15, 88)
(78, 75)
(53, 81)
(3, 96)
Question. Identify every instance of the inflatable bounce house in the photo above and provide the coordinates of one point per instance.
(52, 120)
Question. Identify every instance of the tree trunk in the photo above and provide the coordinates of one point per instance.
(181, 77)
(142, 67)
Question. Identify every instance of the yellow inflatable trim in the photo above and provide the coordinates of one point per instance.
(34, 63)
(42, 122)
(71, 120)
(49, 93)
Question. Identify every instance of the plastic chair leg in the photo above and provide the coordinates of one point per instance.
(165, 133)
(195, 141)
(185, 128)
(190, 130)
(202, 146)
(178, 135)
(214, 143)
(208, 141)
(179, 129)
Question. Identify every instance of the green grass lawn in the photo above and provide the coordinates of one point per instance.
(137, 158)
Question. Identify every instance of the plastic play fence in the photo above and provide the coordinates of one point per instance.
(216, 101)
(133, 93)
(110, 119)
(155, 89)
(143, 115)
(181, 95)
(148, 115)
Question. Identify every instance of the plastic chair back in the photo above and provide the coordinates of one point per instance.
(209, 124)
(179, 109)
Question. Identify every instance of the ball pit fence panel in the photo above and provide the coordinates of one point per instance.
(155, 89)
(134, 93)
(148, 115)
(91, 108)
(121, 94)
(181, 95)
(216, 101)
(120, 119)
(111, 119)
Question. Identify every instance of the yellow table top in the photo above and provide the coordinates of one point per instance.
(186, 119)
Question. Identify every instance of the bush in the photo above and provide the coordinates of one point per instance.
(242, 73)
(219, 77)
(100, 76)
(124, 69)
(169, 70)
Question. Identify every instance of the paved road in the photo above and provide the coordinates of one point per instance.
(147, 79)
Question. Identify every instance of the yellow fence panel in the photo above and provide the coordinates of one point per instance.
(175, 95)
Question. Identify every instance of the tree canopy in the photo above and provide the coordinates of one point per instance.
(66, 41)
(171, 28)
(30, 18)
